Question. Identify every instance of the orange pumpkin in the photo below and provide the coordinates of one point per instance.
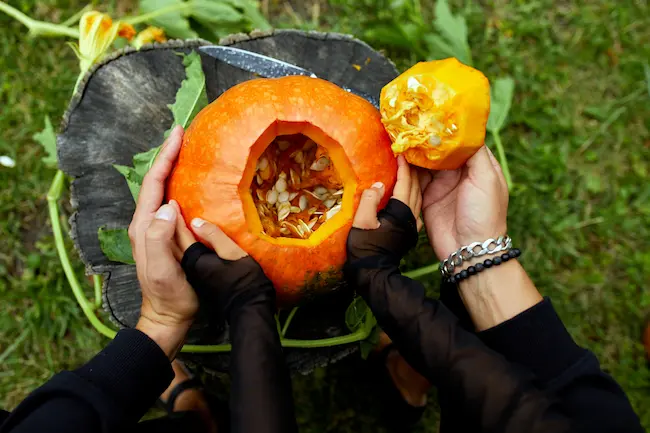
(436, 113)
(280, 165)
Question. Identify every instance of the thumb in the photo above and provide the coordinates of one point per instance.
(366, 216)
(212, 235)
(159, 238)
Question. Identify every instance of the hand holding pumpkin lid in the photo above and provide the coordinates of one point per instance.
(436, 113)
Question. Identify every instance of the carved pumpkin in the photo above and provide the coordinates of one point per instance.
(280, 165)
(436, 113)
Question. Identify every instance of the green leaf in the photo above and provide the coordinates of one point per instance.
(358, 316)
(174, 22)
(47, 139)
(190, 97)
(251, 9)
(210, 12)
(116, 245)
(366, 346)
(133, 179)
(355, 315)
(452, 38)
(501, 94)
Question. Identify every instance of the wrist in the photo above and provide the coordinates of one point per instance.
(497, 294)
(168, 336)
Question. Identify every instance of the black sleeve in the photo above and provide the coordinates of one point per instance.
(108, 394)
(261, 400)
(538, 340)
(480, 383)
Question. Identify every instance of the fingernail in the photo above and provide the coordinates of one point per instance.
(166, 212)
(197, 222)
(378, 185)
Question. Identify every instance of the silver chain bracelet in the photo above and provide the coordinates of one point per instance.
(473, 250)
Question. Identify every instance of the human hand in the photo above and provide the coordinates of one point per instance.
(168, 301)
(393, 231)
(224, 275)
(465, 205)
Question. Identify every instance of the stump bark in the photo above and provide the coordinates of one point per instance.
(121, 108)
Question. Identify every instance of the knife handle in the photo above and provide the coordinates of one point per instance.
(364, 95)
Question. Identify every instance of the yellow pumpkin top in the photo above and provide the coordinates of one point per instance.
(436, 113)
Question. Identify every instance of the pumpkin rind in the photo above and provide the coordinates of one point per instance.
(217, 162)
(457, 98)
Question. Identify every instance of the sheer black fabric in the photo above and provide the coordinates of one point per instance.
(261, 399)
(492, 394)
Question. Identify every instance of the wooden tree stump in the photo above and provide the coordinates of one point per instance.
(120, 109)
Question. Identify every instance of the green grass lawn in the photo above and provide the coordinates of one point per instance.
(577, 140)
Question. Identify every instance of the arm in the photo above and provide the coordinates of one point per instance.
(260, 399)
(112, 391)
(469, 205)
(483, 386)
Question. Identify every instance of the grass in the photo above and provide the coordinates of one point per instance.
(577, 140)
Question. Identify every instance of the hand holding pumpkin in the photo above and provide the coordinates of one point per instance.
(168, 301)
(466, 205)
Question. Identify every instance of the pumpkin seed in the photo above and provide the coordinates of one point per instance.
(309, 144)
(295, 178)
(285, 231)
(258, 178)
(320, 164)
(295, 209)
(320, 192)
(312, 223)
(333, 211)
(329, 202)
(303, 202)
(454, 127)
(272, 196)
(261, 209)
(266, 173)
(281, 184)
(262, 163)
(435, 140)
(298, 156)
(283, 197)
(337, 193)
(312, 210)
(260, 195)
(305, 228)
(316, 196)
(292, 196)
(283, 145)
(283, 211)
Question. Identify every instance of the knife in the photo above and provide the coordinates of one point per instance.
(268, 67)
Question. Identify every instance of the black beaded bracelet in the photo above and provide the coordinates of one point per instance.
(480, 267)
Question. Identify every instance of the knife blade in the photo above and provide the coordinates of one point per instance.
(268, 67)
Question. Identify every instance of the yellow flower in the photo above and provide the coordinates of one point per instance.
(148, 35)
(97, 32)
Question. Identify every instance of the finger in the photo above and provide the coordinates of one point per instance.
(497, 168)
(159, 241)
(403, 185)
(415, 192)
(153, 184)
(209, 233)
(366, 216)
(184, 236)
(425, 177)
(419, 223)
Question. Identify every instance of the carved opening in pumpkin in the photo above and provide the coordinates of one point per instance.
(299, 132)
(296, 187)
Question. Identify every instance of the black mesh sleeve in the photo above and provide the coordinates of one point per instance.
(261, 399)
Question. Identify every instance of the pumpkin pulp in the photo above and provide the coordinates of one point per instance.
(296, 188)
